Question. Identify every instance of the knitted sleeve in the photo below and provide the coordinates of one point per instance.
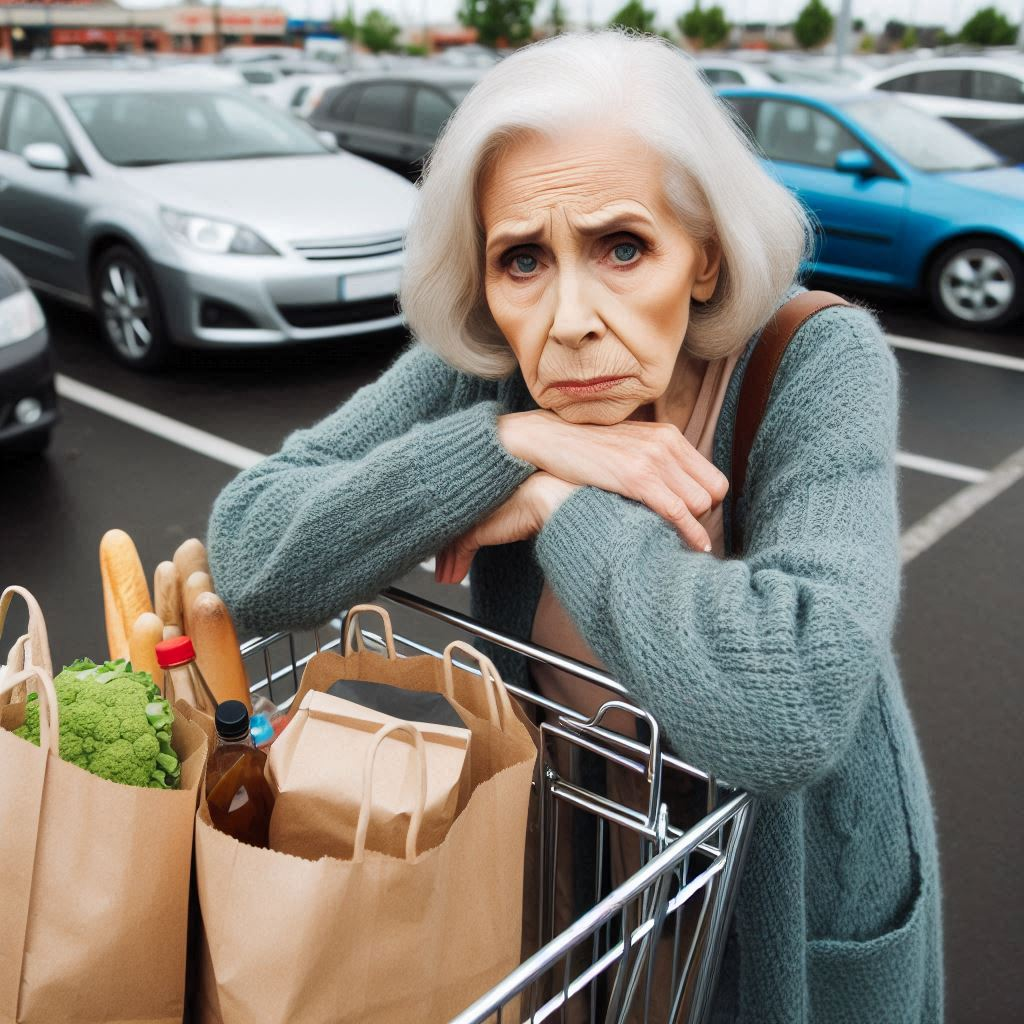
(350, 504)
(758, 668)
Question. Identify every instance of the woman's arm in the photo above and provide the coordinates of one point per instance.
(758, 669)
(347, 506)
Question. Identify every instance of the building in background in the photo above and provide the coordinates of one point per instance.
(104, 26)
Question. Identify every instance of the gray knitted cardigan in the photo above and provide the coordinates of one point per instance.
(774, 671)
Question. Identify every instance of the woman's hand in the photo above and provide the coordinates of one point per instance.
(521, 517)
(648, 462)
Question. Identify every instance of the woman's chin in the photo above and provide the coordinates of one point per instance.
(603, 412)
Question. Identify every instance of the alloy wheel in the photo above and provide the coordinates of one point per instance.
(126, 310)
(977, 285)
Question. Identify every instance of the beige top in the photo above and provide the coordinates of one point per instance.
(552, 627)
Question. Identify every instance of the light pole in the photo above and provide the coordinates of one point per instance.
(843, 32)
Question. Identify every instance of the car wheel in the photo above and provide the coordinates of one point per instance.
(977, 282)
(128, 307)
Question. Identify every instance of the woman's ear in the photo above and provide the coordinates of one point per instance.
(708, 265)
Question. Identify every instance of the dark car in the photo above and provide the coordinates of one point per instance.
(394, 118)
(28, 400)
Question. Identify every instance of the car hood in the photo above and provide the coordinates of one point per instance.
(285, 199)
(1007, 182)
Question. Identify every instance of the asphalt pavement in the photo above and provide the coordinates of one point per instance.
(958, 639)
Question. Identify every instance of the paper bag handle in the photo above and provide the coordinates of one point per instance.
(39, 645)
(49, 715)
(489, 674)
(363, 824)
(354, 639)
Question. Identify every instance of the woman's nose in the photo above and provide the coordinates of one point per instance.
(576, 321)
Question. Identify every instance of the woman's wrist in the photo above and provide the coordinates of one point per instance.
(517, 433)
(549, 494)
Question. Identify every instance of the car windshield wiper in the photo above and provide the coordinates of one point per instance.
(144, 163)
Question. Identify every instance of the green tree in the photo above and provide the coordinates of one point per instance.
(707, 27)
(378, 32)
(909, 41)
(858, 25)
(989, 27)
(634, 15)
(511, 20)
(867, 43)
(557, 18)
(813, 25)
(347, 25)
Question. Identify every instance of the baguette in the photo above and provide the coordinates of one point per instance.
(189, 558)
(217, 654)
(167, 594)
(198, 583)
(147, 632)
(125, 590)
(172, 632)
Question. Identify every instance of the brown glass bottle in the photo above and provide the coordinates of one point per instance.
(237, 792)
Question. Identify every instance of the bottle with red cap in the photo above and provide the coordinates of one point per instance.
(182, 678)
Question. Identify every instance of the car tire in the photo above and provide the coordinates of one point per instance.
(977, 283)
(128, 308)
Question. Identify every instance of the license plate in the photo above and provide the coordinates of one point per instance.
(367, 286)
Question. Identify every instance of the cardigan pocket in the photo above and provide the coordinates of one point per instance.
(873, 980)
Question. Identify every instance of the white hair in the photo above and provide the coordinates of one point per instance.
(714, 183)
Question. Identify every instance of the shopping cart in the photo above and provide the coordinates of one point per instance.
(601, 945)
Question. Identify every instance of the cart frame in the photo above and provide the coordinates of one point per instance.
(605, 959)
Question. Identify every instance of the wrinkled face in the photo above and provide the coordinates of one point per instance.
(588, 273)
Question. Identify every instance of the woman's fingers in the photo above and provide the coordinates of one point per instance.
(673, 509)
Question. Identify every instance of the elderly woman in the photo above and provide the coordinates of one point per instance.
(595, 251)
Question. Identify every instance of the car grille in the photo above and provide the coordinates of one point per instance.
(348, 248)
(337, 314)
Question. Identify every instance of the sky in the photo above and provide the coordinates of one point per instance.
(949, 13)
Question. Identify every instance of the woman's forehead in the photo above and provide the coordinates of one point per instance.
(585, 173)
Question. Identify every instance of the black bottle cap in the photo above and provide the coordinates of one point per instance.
(232, 720)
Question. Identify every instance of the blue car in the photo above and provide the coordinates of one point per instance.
(903, 200)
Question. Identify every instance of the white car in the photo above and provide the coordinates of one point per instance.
(978, 94)
(723, 71)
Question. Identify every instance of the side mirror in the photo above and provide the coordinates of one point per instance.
(46, 156)
(854, 161)
(329, 140)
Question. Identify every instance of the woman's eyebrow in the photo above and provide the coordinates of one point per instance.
(617, 222)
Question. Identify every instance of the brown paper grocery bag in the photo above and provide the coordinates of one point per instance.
(375, 939)
(94, 878)
(315, 767)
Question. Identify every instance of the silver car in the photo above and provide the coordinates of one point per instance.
(185, 213)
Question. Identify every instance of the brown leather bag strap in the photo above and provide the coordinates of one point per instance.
(758, 380)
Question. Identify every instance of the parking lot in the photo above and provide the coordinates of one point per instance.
(150, 454)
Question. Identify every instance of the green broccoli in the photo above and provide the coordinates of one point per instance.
(113, 723)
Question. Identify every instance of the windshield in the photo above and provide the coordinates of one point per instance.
(141, 129)
(925, 142)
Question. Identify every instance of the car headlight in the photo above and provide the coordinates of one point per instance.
(217, 236)
(20, 318)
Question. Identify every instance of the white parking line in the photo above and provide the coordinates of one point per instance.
(154, 423)
(966, 355)
(937, 467)
(955, 510)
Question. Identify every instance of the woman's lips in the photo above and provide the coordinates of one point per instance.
(590, 386)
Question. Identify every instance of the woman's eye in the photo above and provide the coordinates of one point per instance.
(525, 263)
(626, 252)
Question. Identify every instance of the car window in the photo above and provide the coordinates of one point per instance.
(722, 76)
(430, 110)
(905, 83)
(344, 104)
(32, 120)
(135, 129)
(946, 82)
(997, 88)
(256, 77)
(299, 96)
(799, 134)
(744, 113)
(4, 96)
(382, 105)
